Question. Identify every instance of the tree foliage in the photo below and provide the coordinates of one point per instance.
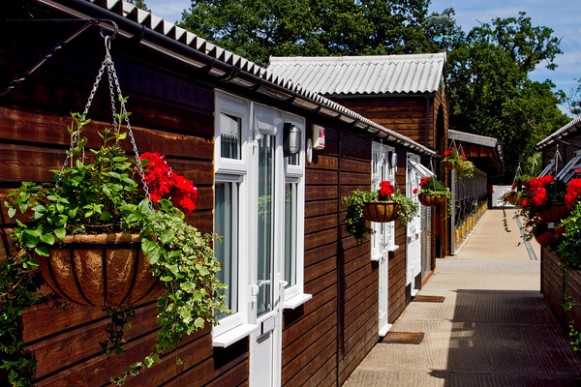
(259, 29)
(574, 99)
(488, 67)
(491, 93)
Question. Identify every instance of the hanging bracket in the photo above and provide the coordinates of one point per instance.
(110, 30)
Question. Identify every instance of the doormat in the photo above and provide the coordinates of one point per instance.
(403, 337)
(429, 298)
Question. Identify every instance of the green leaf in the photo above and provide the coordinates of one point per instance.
(167, 236)
(42, 251)
(12, 212)
(48, 239)
(60, 233)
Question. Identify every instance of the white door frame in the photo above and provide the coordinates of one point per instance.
(413, 229)
(383, 168)
(266, 343)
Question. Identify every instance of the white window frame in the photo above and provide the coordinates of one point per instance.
(235, 326)
(226, 104)
(383, 167)
(256, 121)
(294, 295)
(568, 172)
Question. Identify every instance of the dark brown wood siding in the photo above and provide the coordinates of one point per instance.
(171, 115)
(329, 335)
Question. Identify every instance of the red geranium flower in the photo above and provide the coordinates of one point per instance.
(163, 182)
(573, 193)
(385, 190)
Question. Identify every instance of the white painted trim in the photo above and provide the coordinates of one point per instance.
(296, 301)
(384, 329)
(232, 336)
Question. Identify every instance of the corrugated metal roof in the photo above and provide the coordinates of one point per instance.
(472, 138)
(571, 127)
(169, 39)
(382, 74)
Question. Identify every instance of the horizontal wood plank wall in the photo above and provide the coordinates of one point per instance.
(406, 116)
(170, 115)
(358, 331)
(325, 339)
(309, 336)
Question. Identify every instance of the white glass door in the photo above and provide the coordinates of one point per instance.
(414, 229)
(265, 345)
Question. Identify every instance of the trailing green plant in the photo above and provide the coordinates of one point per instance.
(88, 196)
(569, 247)
(456, 160)
(574, 338)
(19, 285)
(355, 222)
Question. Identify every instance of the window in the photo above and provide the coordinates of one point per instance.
(230, 135)
(259, 212)
(226, 225)
(383, 167)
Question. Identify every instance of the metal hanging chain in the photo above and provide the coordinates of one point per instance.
(517, 173)
(114, 93)
(557, 157)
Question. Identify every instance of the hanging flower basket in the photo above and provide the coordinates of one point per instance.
(432, 200)
(553, 213)
(105, 270)
(381, 211)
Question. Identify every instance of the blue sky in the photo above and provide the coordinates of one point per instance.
(563, 16)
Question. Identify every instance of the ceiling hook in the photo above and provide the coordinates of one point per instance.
(110, 32)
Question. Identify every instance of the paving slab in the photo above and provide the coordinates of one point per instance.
(492, 329)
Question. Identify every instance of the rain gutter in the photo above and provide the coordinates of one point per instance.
(223, 66)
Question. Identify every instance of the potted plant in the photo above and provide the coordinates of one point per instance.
(453, 159)
(543, 199)
(98, 204)
(433, 192)
(384, 205)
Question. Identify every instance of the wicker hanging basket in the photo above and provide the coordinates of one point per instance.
(105, 270)
(432, 200)
(553, 213)
(381, 211)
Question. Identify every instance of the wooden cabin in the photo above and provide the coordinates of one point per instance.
(307, 303)
(561, 157)
(407, 94)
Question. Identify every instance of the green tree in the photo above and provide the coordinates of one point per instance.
(574, 99)
(490, 91)
(139, 4)
(257, 29)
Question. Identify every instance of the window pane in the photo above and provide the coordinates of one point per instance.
(230, 134)
(294, 159)
(290, 232)
(265, 223)
(225, 225)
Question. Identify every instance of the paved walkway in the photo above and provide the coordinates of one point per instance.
(493, 328)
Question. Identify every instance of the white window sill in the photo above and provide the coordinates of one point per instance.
(234, 335)
(388, 249)
(296, 301)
